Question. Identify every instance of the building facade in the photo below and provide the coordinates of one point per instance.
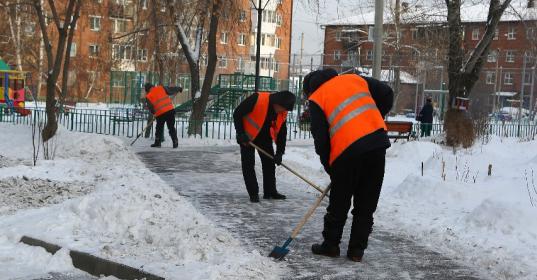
(416, 45)
(116, 47)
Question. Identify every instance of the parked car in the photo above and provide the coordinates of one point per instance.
(501, 116)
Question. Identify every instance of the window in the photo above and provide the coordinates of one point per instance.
(496, 34)
(491, 77)
(370, 33)
(527, 78)
(73, 50)
(120, 25)
(511, 32)
(530, 33)
(94, 50)
(95, 23)
(475, 34)
(492, 57)
(369, 55)
(508, 78)
(142, 55)
(510, 56)
(337, 55)
(241, 40)
(414, 34)
(29, 28)
(528, 56)
(163, 8)
(222, 62)
(338, 36)
(278, 43)
(122, 52)
(242, 16)
(223, 38)
(143, 3)
(279, 20)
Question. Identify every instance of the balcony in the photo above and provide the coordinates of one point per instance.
(121, 10)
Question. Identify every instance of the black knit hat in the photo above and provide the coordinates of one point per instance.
(316, 79)
(284, 98)
(148, 86)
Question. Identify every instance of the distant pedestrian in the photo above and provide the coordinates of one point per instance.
(261, 119)
(161, 106)
(347, 123)
(425, 117)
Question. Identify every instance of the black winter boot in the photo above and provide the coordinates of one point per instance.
(275, 195)
(325, 250)
(155, 145)
(355, 254)
(254, 198)
(175, 144)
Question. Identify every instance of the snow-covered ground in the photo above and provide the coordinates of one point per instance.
(484, 221)
(97, 197)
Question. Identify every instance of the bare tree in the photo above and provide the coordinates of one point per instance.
(192, 51)
(464, 72)
(57, 54)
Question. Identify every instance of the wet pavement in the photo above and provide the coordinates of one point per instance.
(211, 179)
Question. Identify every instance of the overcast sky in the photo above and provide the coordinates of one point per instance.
(308, 18)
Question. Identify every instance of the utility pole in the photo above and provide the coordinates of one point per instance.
(379, 14)
(523, 84)
(301, 52)
(495, 81)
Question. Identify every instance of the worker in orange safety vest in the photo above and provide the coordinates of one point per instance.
(347, 123)
(161, 106)
(261, 118)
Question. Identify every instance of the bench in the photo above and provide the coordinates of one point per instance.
(403, 129)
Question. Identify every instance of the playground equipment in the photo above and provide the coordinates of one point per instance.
(226, 95)
(12, 94)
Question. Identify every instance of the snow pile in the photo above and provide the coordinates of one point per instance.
(131, 216)
(487, 222)
(22, 193)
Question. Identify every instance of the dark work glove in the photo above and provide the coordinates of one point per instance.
(243, 139)
(278, 159)
(327, 169)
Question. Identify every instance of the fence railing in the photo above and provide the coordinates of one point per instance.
(129, 122)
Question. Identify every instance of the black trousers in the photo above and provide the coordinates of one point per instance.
(360, 180)
(167, 118)
(268, 166)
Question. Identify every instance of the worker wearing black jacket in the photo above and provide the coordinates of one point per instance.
(350, 138)
(260, 118)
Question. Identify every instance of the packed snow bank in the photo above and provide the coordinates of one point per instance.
(483, 221)
(131, 216)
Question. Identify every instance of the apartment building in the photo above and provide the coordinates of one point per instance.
(417, 46)
(115, 47)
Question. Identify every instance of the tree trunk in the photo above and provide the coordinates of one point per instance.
(199, 106)
(51, 125)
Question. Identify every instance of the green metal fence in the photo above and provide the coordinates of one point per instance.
(129, 122)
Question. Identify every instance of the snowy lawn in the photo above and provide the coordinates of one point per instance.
(97, 197)
(484, 221)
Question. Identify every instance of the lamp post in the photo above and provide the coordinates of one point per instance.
(379, 17)
(260, 7)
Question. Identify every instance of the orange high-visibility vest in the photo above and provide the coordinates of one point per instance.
(161, 102)
(253, 122)
(350, 111)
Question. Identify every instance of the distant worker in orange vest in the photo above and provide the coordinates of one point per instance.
(261, 119)
(161, 106)
(347, 123)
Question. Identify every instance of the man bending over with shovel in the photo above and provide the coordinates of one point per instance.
(261, 119)
(350, 137)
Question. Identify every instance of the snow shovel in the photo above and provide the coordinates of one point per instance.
(288, 168)
(142, 132)
(280, 252)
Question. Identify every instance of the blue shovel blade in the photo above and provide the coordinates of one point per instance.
(278, 253)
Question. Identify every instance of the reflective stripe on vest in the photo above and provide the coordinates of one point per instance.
(253, 121)
(349, 109)
(161, 102)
